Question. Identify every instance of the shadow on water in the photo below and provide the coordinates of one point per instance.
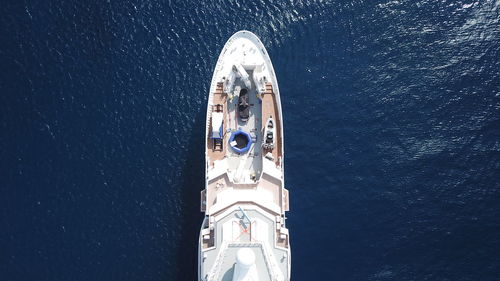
(193, 181)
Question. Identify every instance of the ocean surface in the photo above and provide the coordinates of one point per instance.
(392, 135)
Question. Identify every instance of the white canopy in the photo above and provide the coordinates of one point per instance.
(217, 118)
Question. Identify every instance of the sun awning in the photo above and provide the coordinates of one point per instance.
(217, 118)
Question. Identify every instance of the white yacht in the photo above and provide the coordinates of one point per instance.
(243, 236)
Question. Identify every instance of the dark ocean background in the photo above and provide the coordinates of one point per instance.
(391, 113)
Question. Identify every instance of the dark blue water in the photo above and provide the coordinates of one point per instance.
(391, 113)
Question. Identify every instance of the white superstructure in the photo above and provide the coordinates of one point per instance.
(243, 236)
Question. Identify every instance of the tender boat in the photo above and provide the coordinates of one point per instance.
(269, 133)
(243, 236)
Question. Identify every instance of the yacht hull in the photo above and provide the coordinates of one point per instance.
(244, 199)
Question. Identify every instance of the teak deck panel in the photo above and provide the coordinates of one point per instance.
(219, 97)
(270, 108)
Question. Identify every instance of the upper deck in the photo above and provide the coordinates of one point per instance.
(254, 229)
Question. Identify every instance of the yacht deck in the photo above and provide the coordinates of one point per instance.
(261, 234)
(245, 168)
(270, 109)
(219, 97)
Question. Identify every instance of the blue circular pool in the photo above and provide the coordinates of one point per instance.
(240, 141)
